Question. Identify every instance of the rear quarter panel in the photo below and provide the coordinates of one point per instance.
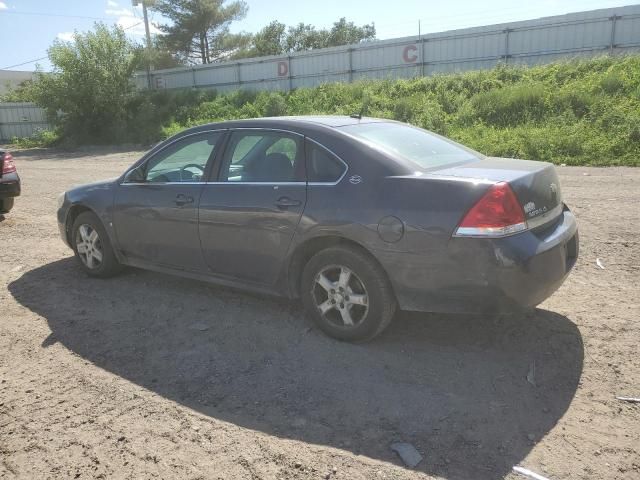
(428, 207)
(431, 208)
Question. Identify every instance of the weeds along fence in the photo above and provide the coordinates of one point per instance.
(22, 119)
(529, 42)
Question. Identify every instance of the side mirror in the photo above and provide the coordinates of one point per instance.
(135, 175)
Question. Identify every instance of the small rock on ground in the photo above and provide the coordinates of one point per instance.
(201, 327)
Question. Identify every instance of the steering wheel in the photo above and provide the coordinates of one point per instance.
(189, 165)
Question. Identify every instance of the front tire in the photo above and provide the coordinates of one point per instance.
(92, 246)
(347, 294)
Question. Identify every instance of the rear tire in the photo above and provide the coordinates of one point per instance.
(347, 294)
(92, 246)
(6, 204)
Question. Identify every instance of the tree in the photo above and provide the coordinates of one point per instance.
(20, 93)
(346, 33)
(270, 40)
(158, 56)
(305, 37)
(277, 39)
(199, 31)
(90, 83)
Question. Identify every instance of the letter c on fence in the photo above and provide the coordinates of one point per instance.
(283, 69)
(410, 57)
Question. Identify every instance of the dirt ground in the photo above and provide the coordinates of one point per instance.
(153, 376)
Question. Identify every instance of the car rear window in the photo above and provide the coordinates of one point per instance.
(420, 146)
(322, 166)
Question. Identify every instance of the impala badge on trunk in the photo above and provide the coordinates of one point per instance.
(529, 207)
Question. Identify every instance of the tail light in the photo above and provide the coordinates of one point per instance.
(7, 164)
(496, 214)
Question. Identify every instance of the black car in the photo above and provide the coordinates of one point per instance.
(9, 182)
(355, 216)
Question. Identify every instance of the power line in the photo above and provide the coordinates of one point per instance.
(133, 26)
(44, 58)
(23, 63)
(42, 14)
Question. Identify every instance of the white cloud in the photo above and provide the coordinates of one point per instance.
(112, 4)
(3, 6)
(65, 36)
(119, 12)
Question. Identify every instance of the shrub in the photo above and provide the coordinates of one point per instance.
(91, 84)
(576, 101)
(404, 110)
(510, 105)
(276, 106)
(41, 138)
(612, 83)
(433, 118)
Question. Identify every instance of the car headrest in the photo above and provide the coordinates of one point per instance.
(275, 167)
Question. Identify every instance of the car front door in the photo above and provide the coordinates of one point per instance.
(248, 217)
(156, 206)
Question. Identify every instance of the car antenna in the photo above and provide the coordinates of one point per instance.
(359, 114)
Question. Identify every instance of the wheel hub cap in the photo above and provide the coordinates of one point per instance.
(89, 246)
(340, 296)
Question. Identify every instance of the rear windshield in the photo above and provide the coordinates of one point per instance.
(426, 149)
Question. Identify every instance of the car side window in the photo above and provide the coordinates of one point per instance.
(183, 161)
(322, 165)
(263, 157)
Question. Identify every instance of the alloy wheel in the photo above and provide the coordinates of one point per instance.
(89, 246)
(340, 296)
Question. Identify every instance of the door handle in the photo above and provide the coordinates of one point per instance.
(182, 199)
(285, 202)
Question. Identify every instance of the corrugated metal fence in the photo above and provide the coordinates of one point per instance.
(529, 42)
(21, 120)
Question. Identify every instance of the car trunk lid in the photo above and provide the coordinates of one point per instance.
(535, 184)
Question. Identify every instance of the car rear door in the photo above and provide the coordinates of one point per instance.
(156, 216)
(247, 218)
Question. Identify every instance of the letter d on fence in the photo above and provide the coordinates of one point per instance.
(283, 69)
(410, 57)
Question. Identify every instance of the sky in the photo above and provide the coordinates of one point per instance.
(29, 27)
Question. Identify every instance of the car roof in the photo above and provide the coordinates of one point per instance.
(322, 128)
(299, 120)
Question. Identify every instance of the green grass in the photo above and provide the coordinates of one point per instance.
(40, 139)
(579, 112)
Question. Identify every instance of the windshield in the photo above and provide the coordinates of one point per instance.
(420, 146)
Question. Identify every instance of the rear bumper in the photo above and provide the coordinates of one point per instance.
(9, 186)
(489, 275)
(9, 189)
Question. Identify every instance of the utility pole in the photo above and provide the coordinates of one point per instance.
(146, 31)
(146, 24)
(135, 3)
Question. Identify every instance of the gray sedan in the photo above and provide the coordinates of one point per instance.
(356, 216)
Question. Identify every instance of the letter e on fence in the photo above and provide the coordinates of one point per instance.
(283, 69)
(409, 54)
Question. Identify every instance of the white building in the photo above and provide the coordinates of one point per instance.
(10, 79)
